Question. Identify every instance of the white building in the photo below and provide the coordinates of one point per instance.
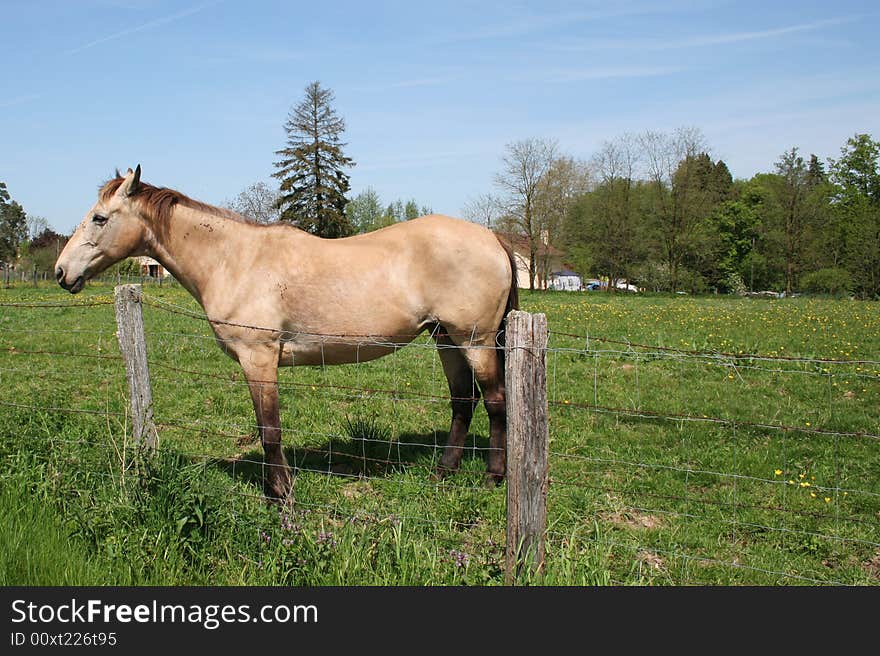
(565, 280)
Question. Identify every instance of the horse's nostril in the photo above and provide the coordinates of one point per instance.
(59, 274)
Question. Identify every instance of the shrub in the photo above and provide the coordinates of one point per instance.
(833, 281)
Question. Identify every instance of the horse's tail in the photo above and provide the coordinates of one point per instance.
(512, 299)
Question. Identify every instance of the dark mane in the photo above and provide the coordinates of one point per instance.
(158, 202)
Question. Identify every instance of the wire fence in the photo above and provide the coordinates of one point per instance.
(667, 465)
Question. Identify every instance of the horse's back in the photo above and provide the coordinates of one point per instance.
(435, 266)
(442, 252)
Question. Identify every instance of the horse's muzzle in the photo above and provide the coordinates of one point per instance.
(74, 288)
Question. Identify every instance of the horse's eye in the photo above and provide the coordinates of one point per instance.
(100, 220)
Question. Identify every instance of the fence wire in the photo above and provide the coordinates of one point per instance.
(666, 465)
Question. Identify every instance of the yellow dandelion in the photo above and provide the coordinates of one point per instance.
(827, 499)
(813, 494)
(777, 471)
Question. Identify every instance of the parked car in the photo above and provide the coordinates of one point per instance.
(600, 286)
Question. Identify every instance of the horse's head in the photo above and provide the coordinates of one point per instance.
(112, 230)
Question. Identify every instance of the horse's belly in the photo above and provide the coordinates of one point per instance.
(334, 350)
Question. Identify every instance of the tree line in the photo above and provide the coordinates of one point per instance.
(655, 209)
(652, 208)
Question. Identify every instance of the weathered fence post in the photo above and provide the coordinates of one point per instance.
(132, 343)
(525, 354)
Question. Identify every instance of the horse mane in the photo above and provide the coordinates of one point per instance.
(158, 202)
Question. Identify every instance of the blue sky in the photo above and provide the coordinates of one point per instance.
(197, 92)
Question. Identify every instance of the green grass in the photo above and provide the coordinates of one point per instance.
(659, 471)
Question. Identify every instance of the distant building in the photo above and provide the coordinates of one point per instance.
(150, 267)
(565, 280)
(549, 259)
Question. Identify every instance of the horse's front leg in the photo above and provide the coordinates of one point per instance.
(262, 380)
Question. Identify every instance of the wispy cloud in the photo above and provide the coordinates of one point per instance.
(19, 100)
(253, 55)
(145, 26)
(451, 77)
(582, 74)
(578, 75)
(421, 82)
(700, 40)
(531, 23)
(739, 37)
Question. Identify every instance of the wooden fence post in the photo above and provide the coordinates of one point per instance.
(525, 354)
(132, 343)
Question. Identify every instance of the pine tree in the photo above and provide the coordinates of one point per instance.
(311, 168)
(816, 173)
(411, 210)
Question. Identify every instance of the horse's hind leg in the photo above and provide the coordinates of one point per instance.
(489, 373)
(464, 394)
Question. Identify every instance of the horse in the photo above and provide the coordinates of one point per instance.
(276, 296)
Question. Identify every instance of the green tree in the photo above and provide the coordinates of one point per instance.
(312, 167)
(856, 207)
(364, 212)
(411, 210)
(13, 226)
(44, 249)
(816, 174)
(798, 212)
(734, 224)
(856, 172)
(764, 266)
(393, 213)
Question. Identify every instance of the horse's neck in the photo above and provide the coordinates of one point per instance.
(195, 248)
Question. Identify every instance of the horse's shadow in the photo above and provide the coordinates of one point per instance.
(357, 458)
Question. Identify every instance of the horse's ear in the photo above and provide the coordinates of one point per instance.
(131, 186)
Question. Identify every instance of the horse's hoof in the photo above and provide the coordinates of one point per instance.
(280, 499)
(279, 490)
(441, 473)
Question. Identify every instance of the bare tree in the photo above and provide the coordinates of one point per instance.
(257, 202)
(35, 225)
(524, 167)
(602, 229)
(565, 180)
(485, 209)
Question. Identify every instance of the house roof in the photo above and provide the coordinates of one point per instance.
(520, 244)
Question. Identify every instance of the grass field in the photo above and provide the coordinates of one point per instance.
(673, 460)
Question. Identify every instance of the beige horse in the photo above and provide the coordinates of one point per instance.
(278, 296)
